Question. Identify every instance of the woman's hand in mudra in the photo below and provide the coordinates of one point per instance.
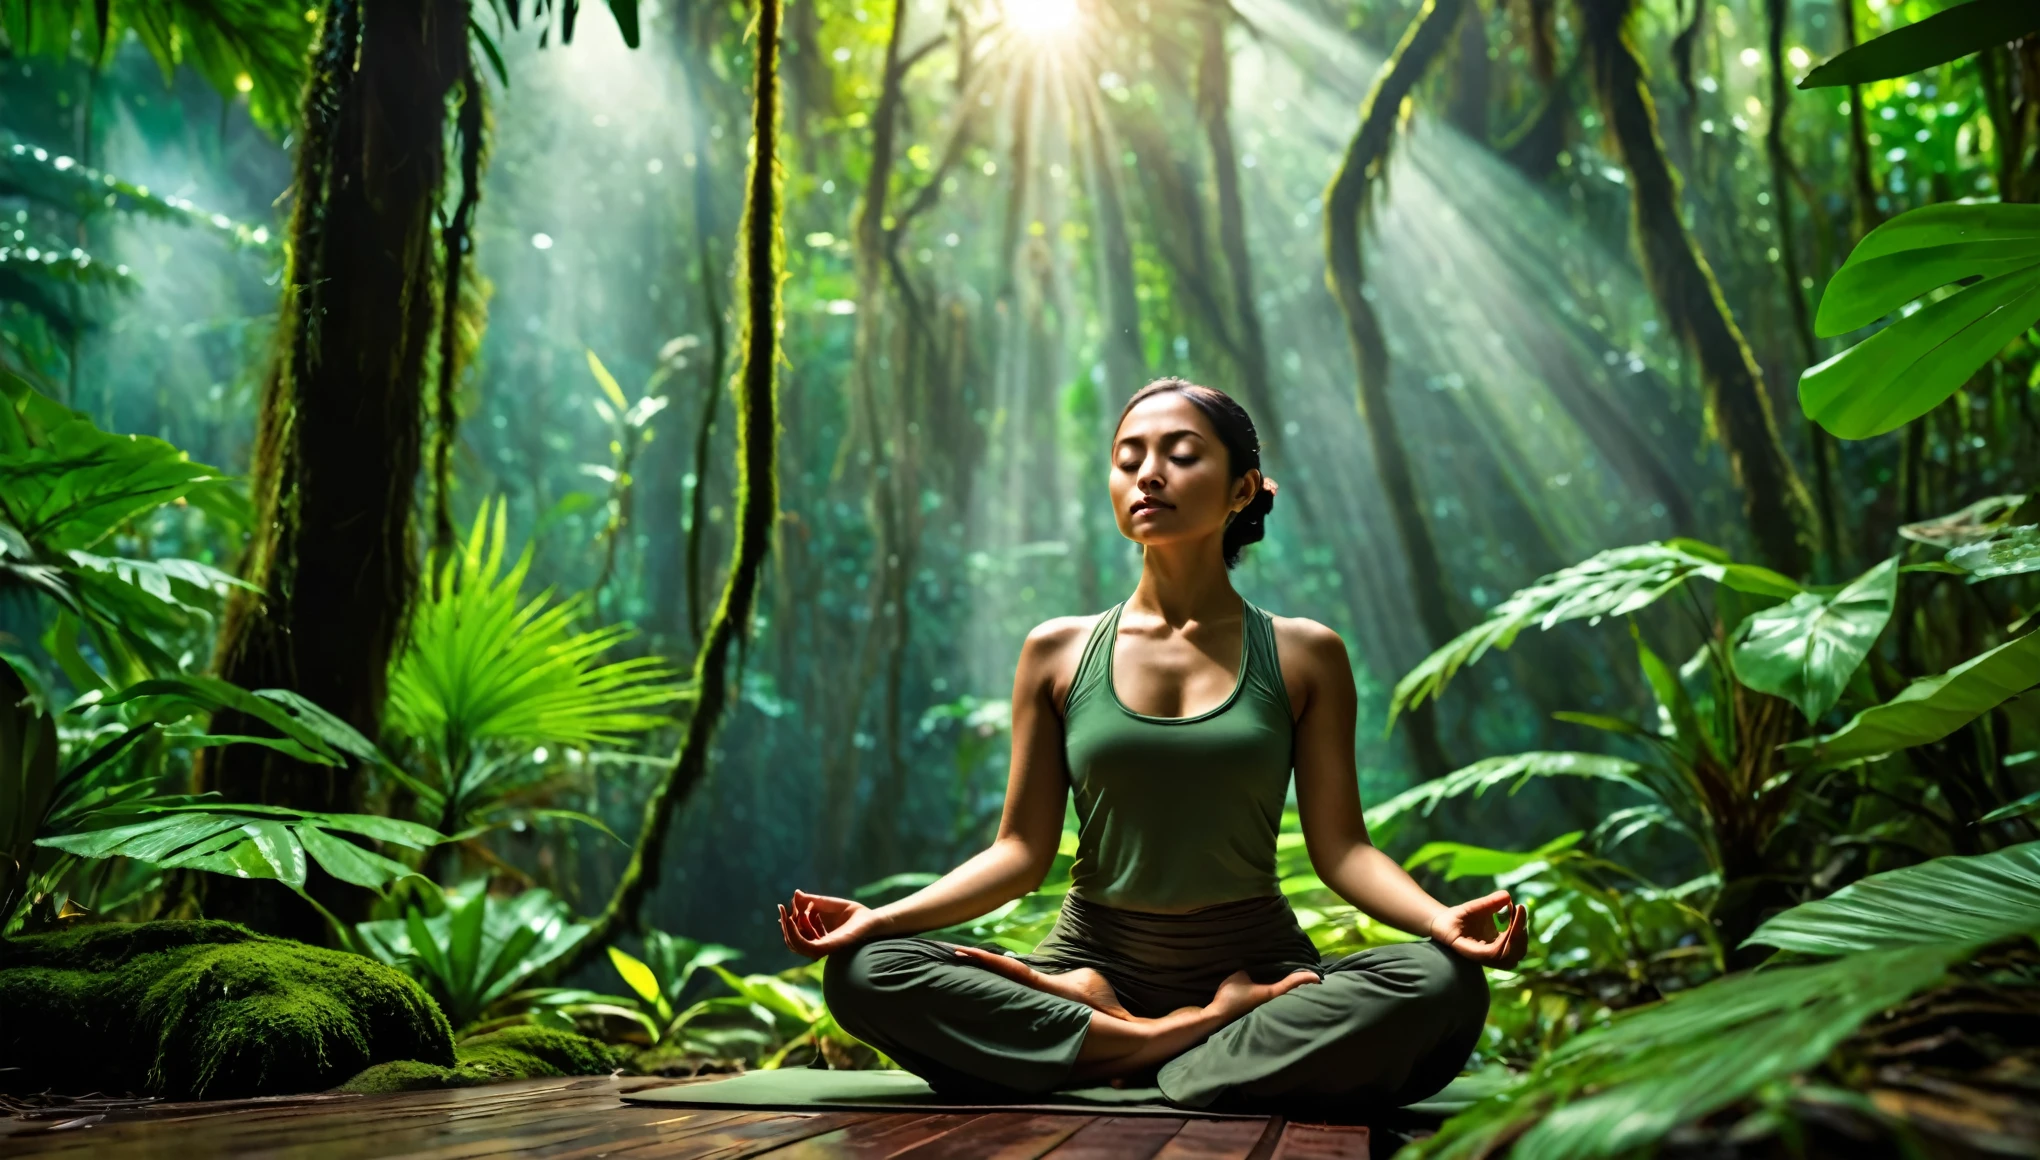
(1084, 985)
(1469, 930)
(817, 925)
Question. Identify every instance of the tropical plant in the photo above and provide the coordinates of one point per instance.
(252, 47)
(488, 677)
(472, 951)
(67, 491)
(1621, 1089)
(96, 780)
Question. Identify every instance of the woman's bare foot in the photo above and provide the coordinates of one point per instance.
(1083, 984)
(1239, 993)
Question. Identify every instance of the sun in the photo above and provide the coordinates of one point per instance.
(1042, 18)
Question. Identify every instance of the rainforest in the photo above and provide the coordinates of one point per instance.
(494, 496)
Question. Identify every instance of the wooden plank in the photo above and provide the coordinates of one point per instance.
(744, 1140)
(1322, 1142)
(1221, 1140)
(1119, 1138)
(1000, 1136)
(882, 1136)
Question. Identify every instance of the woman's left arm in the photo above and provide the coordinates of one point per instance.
(1315, 665)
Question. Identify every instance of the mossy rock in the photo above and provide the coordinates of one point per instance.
(512, 1053)
(202, 1010)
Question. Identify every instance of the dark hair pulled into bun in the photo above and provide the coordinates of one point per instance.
(1235, 429)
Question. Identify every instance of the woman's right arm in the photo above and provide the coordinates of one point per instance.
(1037, 787)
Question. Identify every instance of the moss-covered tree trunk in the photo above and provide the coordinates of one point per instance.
(460, 299)
(1214, 109)
(338, 447)
(1775, 503)
(757, 500)
(1345, 208)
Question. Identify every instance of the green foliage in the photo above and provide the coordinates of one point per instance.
(1514, 771)
(112, 795)
(1911, 366)
(1946, 35)
(1807, 649)
(1933, 707)
(1621, 1089)
(255, 47)
(1617, 582)
(486, 674)
(203, 1010)
(67, 487)
(1962, 900)
(473, 955)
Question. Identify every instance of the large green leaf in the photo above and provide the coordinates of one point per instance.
(1950, 34)
(246, 841)
(2015, 552)
(1977, 899)
(480, 949)
(1933, 707)
(1613, 583)
(1456, 860)
(66, 485)
(1909, 367)
(1515, 771)
(1619, 1090)
(28, 778)
(1807, 649)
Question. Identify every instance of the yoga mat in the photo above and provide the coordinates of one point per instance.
(809, 1088)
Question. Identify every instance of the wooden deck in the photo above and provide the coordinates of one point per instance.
(584, 1119)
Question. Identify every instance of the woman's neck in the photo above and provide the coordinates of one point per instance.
(1184, 582)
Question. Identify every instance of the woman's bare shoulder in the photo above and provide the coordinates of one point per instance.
(1051, 652)
(1308, 640)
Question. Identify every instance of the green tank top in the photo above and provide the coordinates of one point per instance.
(1176, 813)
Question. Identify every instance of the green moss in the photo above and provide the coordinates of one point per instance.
(203, 1010)
(512, 1053)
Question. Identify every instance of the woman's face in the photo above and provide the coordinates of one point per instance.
(1171, 478)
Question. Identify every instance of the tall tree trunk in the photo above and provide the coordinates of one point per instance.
(1775, 503)
(460, 301)
(1820, 446)
(757, 501)
(1346, 203)
(338, 448)
(1214, 108)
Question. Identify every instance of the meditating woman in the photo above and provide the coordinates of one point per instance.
(1176, 717)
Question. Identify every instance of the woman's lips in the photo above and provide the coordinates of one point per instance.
(1149, 505)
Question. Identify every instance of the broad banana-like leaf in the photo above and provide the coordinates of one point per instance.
(1619, 1090)
(1912, 365)
(1981, 898)
(1932, 707)
(1807, 649)
(1614, 583)
(1515, 771)
(2014, 553)
(1949, 34)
